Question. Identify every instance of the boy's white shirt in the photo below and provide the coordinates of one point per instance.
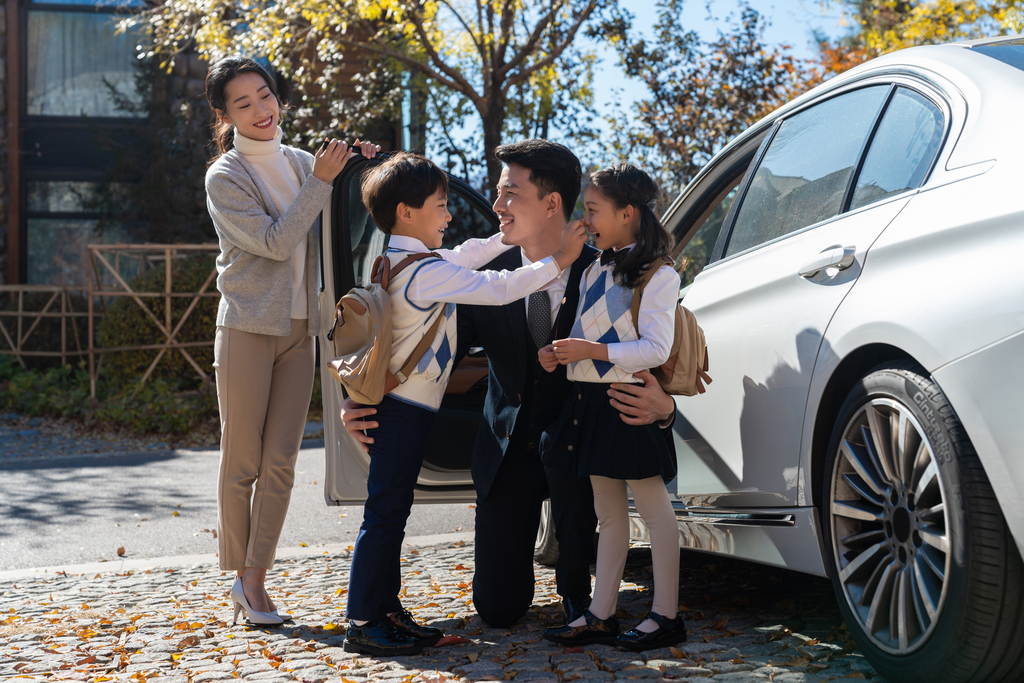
(455, 280)
(433, 287)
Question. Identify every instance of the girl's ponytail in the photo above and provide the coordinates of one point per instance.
(626, 185)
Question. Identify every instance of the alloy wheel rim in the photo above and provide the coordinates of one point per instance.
(890, 526)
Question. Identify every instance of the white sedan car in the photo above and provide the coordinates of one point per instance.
(853, 260)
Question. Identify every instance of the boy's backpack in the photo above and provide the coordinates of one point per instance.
(361, 336)
(686, 371)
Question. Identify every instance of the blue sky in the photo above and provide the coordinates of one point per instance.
(792, 22)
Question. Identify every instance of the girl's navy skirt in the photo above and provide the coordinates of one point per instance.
(589, 438)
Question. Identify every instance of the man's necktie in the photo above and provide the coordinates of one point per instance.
(538, 318)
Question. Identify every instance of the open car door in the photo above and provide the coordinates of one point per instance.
(350, 243)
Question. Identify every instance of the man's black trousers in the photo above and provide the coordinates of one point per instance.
(506, 532)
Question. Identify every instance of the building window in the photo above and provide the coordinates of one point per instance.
(76, 64)
(77, 70)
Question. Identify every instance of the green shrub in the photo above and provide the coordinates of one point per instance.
(159, 406)
(46, 335)
(126, 324)
(55, 392)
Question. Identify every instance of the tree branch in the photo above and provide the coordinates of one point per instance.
(479, 44)
(508, 17)
(463, 85)
(447, 134)
(555, 54)
(531, 42)
(406, 59)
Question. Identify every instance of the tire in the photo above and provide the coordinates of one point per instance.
(927, 575)
(545, 551)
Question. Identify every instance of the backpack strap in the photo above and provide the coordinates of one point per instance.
(383, 273)
(421, 349)
(638, 291)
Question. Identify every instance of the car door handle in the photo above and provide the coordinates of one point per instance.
(833, 257)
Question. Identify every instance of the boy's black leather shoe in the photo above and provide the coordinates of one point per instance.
(404, 624)
(669, 632)
(379, 638)
(593, 631)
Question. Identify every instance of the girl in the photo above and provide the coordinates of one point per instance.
(591, 438)
(265, 200)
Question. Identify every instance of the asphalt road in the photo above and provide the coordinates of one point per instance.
(74, 510)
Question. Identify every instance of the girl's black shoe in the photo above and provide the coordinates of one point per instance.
(594, 631)
(669, 632)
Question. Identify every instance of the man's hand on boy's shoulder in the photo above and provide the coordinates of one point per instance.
(642, 404)
(352, 416)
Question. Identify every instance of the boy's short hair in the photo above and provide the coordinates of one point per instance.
(553, 168)
(403, 178)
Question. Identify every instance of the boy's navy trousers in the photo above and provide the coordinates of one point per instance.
(396, 455)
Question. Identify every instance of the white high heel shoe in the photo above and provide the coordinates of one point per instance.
(238, 597)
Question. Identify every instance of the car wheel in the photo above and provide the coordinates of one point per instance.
(545, 551)
(928, 577)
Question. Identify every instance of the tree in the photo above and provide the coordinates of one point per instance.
(483, 54)
(703, 93)
(886, 25)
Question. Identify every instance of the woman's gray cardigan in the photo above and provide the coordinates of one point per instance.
(254, 273)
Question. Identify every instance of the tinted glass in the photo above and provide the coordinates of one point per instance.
(1009, 52)
(57, 253)
(805, 172)
(59, 196)
(467, 221)
(902, 150)
(367, 242)
(74, 59)
(697, 252)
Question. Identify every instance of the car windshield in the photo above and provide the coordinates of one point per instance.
(1009, 52)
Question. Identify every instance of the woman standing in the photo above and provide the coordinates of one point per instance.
(265, 199)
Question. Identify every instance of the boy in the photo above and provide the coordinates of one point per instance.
(407, 197)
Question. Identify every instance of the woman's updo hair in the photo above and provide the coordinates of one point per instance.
(626, 185)
(217, 79)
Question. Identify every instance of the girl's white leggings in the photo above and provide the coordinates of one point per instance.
(653, 504)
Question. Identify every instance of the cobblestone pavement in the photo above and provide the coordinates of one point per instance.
(746, 623)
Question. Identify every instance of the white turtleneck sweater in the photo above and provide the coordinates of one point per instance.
(284, 186)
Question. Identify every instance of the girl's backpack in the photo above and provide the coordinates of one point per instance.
(686, 371)
(361, 336)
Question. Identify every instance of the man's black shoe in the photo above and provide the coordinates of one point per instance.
(405, 625)
(593, 631)
(574, 608)
(379, 638)
(669, 632)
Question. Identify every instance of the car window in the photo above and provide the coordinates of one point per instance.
(806, 169)
(690, 261)
(902, 150)
(469, 220)
(365, 240)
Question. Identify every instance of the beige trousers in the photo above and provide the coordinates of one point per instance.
(264, 384)
(611, 504)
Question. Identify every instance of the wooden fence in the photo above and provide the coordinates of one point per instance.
(20, 328)
(104, 267)
(108, 267)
